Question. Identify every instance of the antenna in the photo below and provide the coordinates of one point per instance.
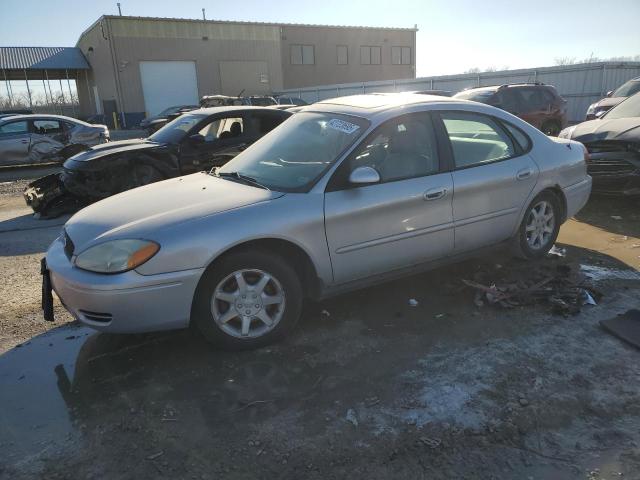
(203, 15)
(119, 9)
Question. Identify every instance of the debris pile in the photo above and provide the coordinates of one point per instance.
(563, 289)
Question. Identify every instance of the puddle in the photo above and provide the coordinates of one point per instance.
(597, 273)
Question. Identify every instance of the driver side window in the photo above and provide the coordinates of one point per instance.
(402, 148)
(222, 128)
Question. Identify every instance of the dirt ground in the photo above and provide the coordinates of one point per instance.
(367, 387)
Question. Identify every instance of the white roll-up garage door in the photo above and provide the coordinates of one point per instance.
(165, 84)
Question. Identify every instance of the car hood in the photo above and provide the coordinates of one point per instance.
(610, 102)
(620, 129)
(110, 148)
(141, 212)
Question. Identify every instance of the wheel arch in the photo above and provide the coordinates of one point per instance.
(290, 251)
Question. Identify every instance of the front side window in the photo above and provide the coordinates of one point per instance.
(302, 55)
(401, 148)
(476, 139)
(14, 128)
(222, 128)
(294, 155)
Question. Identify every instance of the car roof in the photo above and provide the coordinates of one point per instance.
(368, 105)
(228, 108)
(35, 116)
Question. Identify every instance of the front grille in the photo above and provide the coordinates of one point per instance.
(69, 247)
(609, 166)
(96, 316)
(600, 147)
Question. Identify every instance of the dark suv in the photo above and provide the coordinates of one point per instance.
(536, 103)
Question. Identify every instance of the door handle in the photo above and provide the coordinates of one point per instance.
(435, 193)
(522, 174)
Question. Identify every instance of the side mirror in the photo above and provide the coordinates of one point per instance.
(196, 139)
(364, 176)
(609, 93)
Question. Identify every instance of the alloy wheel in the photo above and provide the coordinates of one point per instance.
(248, 303)
(540, 225)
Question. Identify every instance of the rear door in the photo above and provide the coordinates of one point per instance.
(14, 143)
(492, 178)
(403, 220)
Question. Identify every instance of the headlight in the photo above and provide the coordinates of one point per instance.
(116, 256)
(592, 108)
(567, 132)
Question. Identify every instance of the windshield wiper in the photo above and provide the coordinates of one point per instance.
(242, 178)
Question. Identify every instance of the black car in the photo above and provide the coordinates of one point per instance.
(155, 123)
(195, 141)
(613, 142)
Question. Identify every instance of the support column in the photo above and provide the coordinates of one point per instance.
(73, 105)
(6, 84)
(26, 80)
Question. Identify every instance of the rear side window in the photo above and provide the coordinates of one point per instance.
(521, 139)
(476, 139)
(45, 127)
(14, 128)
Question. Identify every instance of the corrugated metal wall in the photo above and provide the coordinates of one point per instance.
(580, 84)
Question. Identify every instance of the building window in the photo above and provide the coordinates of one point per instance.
(370, 55)
(401, 55)
(343, 55)
(302, 55)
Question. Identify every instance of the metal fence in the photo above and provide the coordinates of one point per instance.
(580, 84)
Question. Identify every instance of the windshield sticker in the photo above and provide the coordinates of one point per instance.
(343, 126)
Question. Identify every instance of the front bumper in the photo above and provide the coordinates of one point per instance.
(122, 303)
(614, 172)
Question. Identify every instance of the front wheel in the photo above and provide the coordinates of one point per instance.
(540, 226)
(247, 300)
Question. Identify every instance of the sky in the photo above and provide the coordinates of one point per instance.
(454, 35)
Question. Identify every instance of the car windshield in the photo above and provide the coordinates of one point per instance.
(294, 155)
(628, 108)
(481, 96)
(627, 89)
(175, 131)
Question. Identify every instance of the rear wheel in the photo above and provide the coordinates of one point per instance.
(247, 300)
(540, 226)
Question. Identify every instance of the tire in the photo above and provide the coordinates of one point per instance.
(536, 236)
(226, 321)
(551, 129)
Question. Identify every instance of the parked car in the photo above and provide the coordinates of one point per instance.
(156, 122)
(224, 100)
(13, 112)
(287, 100)
(259, 101)
(346, 193)
(31, 139)
(613, 142)
(613, 98)
(536, 103)
(197, 140)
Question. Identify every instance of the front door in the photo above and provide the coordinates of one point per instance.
(404, 219)
(14, 143)
(492, 179)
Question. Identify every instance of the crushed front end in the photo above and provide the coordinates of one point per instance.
(614, 167)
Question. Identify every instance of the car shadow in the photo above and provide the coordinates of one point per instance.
(618, 215)
(24, 235)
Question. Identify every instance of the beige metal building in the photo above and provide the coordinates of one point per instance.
(141, 65)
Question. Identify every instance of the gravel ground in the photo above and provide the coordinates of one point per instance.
(366, 387)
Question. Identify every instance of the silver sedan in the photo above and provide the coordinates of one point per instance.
(30, 139)
(346, 193)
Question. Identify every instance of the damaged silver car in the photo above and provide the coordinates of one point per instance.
(32, 139)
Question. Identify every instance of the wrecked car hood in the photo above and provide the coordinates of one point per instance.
(115, 147)
(138, 213)
(619, 129)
